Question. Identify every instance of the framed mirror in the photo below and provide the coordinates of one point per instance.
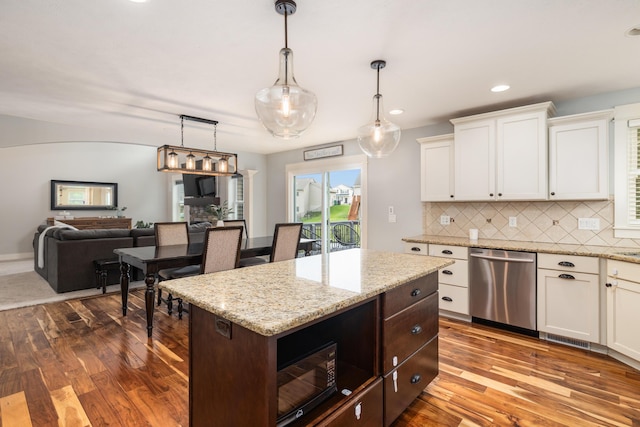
(83, 195)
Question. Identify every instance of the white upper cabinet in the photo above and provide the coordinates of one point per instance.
(436, 167)
(578, 156)
(502, 155)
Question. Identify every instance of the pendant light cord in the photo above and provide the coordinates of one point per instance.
(181, 131)
(378, 96)
(286, 38)
(215, 137)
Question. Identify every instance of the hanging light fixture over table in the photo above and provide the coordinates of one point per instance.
(285, 109)
(379, 137)
(195, 161)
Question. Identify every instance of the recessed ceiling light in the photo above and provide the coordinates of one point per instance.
(500, 88)
(396, 111)
(138, 1)
(635, 31)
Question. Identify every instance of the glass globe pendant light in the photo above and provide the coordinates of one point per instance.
(285, 109)
(379, 137)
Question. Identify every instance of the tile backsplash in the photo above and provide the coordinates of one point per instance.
(548, 222)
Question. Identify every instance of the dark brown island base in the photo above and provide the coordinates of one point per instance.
(356, 329)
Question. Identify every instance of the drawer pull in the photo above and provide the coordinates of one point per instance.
(415, 292)
(415, 379)
(416, 329)
(416, 249)
(566, 276)
(447, 272)
(566, 264)
(448, 299)
(447, 252)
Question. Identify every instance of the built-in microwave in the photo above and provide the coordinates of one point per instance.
(305, 382)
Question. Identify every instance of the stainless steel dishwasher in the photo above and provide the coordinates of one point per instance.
(502, 287)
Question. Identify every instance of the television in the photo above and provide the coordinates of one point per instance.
(207, 186)
(199, 186)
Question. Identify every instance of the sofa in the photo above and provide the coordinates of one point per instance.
(68, 255)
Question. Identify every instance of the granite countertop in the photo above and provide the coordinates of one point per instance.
(609, 252)
(275, 297)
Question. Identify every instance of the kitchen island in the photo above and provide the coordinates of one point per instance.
(380, 309)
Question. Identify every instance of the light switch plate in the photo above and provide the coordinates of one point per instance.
(445, 220)
(392, 217)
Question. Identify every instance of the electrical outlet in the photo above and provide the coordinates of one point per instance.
(588, 224)
(513, 221)
(391, 210)
(445, 220)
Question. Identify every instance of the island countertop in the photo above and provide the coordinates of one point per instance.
(272, 298)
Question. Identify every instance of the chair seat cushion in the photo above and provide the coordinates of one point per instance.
(176, 273)
(248, 262)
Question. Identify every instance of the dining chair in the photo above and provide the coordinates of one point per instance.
(221, 252)
(169, 233)
(286, 238)
(237, 223)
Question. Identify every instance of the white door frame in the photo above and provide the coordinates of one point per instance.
(328, 165)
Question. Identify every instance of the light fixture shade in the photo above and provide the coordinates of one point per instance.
(285, 109)
(379, 137)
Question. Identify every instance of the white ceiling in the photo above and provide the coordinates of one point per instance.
(114, 70)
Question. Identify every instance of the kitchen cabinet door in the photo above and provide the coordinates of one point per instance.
(623, 300)
(436, 168)
(521, 151)
(569, 304)
(578, 157)
(475, 160)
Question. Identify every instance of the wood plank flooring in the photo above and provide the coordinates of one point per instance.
(80, 363)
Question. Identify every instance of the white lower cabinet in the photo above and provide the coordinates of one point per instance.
(569, 296)
(623, 308)
(453, 281)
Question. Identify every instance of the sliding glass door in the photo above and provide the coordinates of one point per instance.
(328, 197)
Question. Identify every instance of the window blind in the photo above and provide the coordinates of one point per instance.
(633, 174)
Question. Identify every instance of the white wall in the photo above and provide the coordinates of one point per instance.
(26, 173)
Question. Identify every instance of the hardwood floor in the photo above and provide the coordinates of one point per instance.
(79, 363)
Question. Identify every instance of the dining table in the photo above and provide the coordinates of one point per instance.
(152, 259)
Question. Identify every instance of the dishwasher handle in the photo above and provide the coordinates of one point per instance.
(497, 258)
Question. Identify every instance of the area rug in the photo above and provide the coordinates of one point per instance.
(28, 288)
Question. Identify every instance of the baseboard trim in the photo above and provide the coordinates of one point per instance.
(16, 257)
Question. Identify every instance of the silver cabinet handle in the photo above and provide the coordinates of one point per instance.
(497, 258)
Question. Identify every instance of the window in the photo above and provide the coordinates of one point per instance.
(627, 171)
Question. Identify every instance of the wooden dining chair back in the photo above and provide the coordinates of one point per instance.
(167, 234)
(237, 223)
(171, 233)
(286, 239)
(221, 249)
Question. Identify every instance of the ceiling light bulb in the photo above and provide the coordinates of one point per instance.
(172, 160)
(191, 161)
(206, 163)
(396, 111)
(500, 88)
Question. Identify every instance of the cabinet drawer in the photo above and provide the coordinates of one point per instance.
(416, 248)
(445, 251)
(454, 298)
(404, 384)
(582, 264)
(403, 296)
(408, 330)
(364, 410)
(624, 270)
(456, 274)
